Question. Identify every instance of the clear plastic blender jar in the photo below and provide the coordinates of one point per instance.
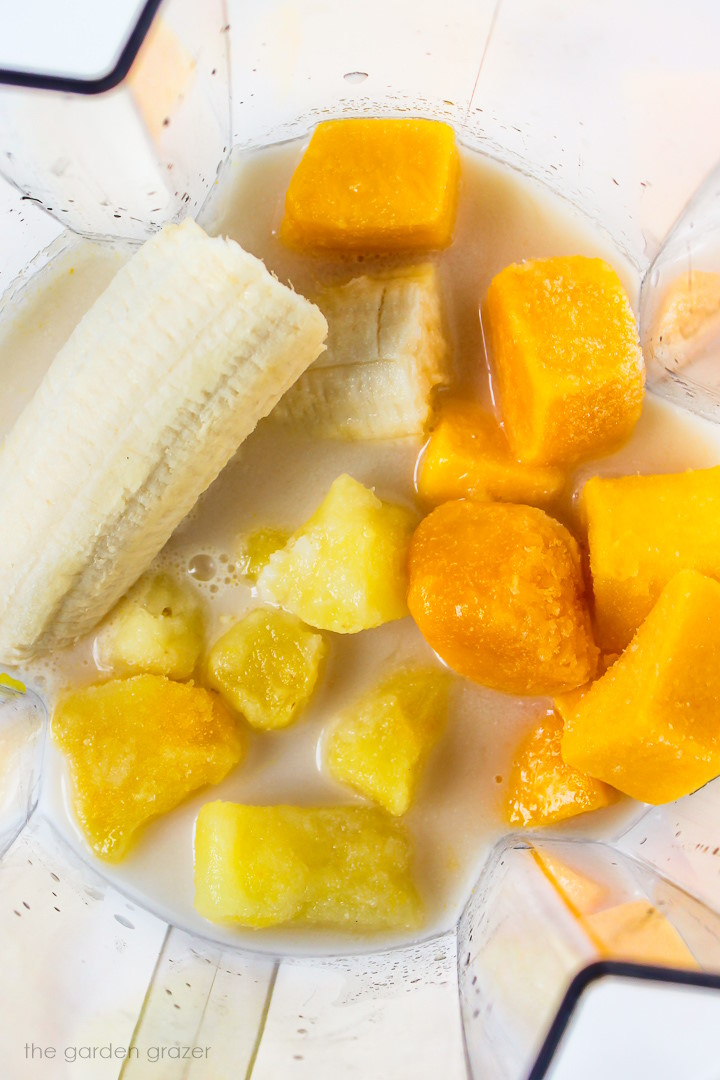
(615, 108)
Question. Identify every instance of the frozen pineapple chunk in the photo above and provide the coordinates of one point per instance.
(641, 531)
(344, 570)
(374, 185)
(379, 745)
(636, 931)
(649, 726)
(565, 358)
(386, 352)
(346, 867)
(255, 549)
(156, 628)
(266, 667)
(468, 457)
(136, 748)
(542, 788)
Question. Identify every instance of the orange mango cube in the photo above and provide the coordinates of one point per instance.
(374, 185)
(649, 726)
(641, 531)
(136, 748)
(566, 702)
(468, 457)
(636, 931)
(542, 788)
(497, 591)
(565, 358)
(580, 892)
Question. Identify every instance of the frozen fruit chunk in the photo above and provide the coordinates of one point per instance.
(156, 628)
(542, 788)
(386, 353)
(380, 744)
(582, 893)
(497, 591)
(136, 748)
(374, 185)
(641, 531)
(565, 358)
(565, 703)
(468, 456)
(266, 667)
(255, 549)
(346, 867)
(649, 726)
(689, 319)
(344, 570)
(636, 931)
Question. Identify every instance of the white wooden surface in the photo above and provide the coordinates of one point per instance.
(85, 975)
(390, 1016)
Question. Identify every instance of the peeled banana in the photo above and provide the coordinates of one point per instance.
(386, 352)
(190, 345)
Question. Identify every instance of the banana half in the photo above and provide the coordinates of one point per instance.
(171, 369)
(386, 353)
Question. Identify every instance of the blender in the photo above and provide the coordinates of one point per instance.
(122, 124)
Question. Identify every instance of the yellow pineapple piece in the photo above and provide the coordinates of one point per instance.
(156, 628)
(346, 867)
(255, 549)
(345, 569)
(380, 745)
(266, 667)
(136, 748)
(11, 683)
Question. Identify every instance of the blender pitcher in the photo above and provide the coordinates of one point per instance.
(573, 956)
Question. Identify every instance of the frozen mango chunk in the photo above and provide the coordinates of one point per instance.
(641, 531)
(156, 628)
(582, 893)
(266, 667)
(468, 457)
(345, 569)
(374, 185)
(542, 788)
(136, 748)
(254, 550)
(650, 726)
(565, 358)
(636, 931)
(386, 353)
(346, 867)
(380, 744)
(566, 702)
(497, 591)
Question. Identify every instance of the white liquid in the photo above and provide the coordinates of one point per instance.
(277, 479)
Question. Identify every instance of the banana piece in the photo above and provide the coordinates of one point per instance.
(386, 352)
(190, 345)
(689, 321)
